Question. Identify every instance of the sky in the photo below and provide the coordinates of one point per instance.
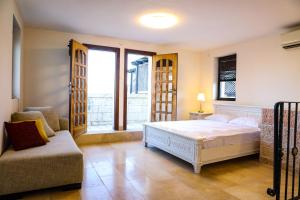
(101, 71)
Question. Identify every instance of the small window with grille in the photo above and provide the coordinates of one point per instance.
(227, 78)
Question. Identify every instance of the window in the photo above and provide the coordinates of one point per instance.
(16, 59)
(138, 75)
(227, 78)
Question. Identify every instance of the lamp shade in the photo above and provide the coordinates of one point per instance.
(201, 97)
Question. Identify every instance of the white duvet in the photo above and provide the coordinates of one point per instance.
(212, 133)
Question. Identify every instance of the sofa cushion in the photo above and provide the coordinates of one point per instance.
(58, 163)
(50, 115)
(64, 123)
(40, 127)
(24, 135)
(4, 142)
(32, 115)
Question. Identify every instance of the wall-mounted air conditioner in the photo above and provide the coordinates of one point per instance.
(291, 39)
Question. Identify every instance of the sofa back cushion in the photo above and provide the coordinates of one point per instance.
(23, 135)
(50, 115)
(32, 115)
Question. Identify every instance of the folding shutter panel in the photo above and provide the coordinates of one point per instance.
(78, 88)
(164, 88)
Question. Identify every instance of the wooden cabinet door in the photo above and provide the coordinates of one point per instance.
(164, 87)
(78, 88)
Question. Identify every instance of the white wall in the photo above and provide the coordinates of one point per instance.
(188, 80)
(8, 105)
(266, 73)
(46, 63)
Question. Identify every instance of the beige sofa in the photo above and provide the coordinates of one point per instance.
(58, 163)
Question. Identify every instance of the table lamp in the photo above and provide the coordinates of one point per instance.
(201, 98)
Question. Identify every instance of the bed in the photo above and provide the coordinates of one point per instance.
(201, 142)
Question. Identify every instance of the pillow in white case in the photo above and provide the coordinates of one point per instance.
(246, 121)
(219, 118)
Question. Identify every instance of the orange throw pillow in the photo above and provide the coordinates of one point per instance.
(24, 135)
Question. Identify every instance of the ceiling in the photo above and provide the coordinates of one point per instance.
(203, 23)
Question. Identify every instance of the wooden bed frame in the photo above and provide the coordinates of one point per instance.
(190, 150)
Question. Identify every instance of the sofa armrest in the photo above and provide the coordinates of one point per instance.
(64, 123)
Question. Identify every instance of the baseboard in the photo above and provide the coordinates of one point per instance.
(100, 138)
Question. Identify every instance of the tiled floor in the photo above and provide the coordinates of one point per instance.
(130, 171)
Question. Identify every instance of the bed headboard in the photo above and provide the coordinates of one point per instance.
(238, 110)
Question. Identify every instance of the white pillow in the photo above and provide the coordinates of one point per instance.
(219, 118)
(246, 121)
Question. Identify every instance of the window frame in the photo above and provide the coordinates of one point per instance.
(117, 51)
(126, 52)
(219, 81)
(16, 59)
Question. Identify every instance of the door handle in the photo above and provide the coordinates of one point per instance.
(70, 86)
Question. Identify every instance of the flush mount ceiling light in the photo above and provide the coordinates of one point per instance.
(158, 20)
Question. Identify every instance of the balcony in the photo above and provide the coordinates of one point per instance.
(100, 112)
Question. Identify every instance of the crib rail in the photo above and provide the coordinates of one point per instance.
(286, 149)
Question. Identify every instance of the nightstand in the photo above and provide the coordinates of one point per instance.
(198, 115)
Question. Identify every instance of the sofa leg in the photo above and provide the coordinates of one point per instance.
(71, 187)
(197, 168)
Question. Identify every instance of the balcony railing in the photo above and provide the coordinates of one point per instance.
(100, 110)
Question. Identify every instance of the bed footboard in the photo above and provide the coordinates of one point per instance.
(185, 148)
(189, 149)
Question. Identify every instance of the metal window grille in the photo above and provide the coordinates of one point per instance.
(227, 77)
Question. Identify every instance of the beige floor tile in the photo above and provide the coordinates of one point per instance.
(91, 178)
(105, 169)
(121, 188)
(125, 194)
(146, 185)
(86, 161)
(113, 182)
(95, 193)
(66, 195)
(130, 171)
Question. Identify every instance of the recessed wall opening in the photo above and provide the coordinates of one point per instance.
(16, 59)
(137, 101)
(102, 89)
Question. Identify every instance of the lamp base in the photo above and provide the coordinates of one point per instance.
(200, 108)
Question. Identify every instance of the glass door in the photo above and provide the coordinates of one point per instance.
(103, 95)
(137, 91)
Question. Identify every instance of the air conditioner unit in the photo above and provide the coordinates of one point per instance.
(291, 39)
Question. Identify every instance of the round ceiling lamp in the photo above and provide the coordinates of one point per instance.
(158, 20)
